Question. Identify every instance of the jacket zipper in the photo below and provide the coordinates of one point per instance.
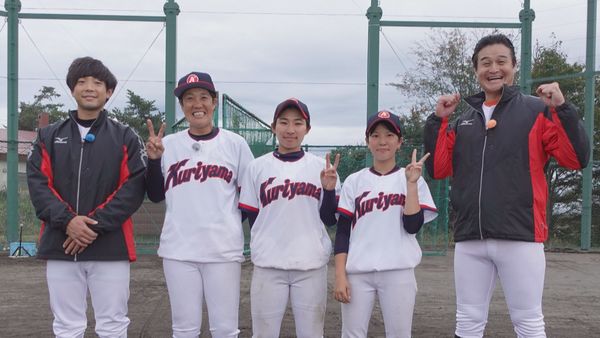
(79, 171)
(79, 181)
(481, 183)
(483, 163)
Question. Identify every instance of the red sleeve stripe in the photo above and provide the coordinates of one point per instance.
(247, 207)
(46, 169)
(123, 176)
(442, 159)
(42, 227)
(127, 226)
(129, 240)
(565, 153)
(537, 160)
(345, 212)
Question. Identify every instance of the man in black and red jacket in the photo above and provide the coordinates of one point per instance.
(496, 152)
(86, 179)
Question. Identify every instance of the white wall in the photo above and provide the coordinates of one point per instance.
(22, 169)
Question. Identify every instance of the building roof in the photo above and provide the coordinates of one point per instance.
(25, 138)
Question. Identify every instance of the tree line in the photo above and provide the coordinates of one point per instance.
(134, 114)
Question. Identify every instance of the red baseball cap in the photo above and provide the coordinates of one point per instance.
(194, 80)
(386, 117)
(293, 103)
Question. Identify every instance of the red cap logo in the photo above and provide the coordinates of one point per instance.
(384, 114)
(192, 78)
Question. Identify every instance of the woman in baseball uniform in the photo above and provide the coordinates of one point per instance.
(381, 209)
(196, 171)
(289, 195)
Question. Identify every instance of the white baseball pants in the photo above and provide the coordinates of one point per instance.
(396, 290)
(519, 265)
(108, 284)
(269, 294)
(189, 283)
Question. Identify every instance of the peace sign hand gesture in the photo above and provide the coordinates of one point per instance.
(414, 169)
(154, 146)
(329, 174)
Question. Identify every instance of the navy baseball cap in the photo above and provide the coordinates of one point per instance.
(386, 117)
(194, 80)
(293, 103)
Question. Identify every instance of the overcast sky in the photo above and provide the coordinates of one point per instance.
(261, 52)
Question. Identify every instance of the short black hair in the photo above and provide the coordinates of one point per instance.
(88, 66)
(493, 39)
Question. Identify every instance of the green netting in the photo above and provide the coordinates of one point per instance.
(256, 132)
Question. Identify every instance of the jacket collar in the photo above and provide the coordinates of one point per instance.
(508, 92)
(99, 120)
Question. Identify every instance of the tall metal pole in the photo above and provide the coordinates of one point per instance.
(374, 14)
(171, 9)
(590, 90)
(12, 157)
(526, 16)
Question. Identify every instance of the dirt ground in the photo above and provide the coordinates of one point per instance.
(571, 300)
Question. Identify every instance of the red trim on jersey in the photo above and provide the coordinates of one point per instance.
(537, 160)
(247, 207)
(442, 159)
(375, 172)
(426, 207)
(127, 226)
(345, 212)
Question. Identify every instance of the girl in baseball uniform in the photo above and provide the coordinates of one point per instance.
(196, 171)
(381, 209)
(289, 195)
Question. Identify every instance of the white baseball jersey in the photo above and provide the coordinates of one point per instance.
(378, 240)
(288, 232)
(202, 221)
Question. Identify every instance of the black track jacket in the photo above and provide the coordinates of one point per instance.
(499, 187)
(103, 179)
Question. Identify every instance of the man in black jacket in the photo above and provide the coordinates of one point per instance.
(496, 152)
(86, 179)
